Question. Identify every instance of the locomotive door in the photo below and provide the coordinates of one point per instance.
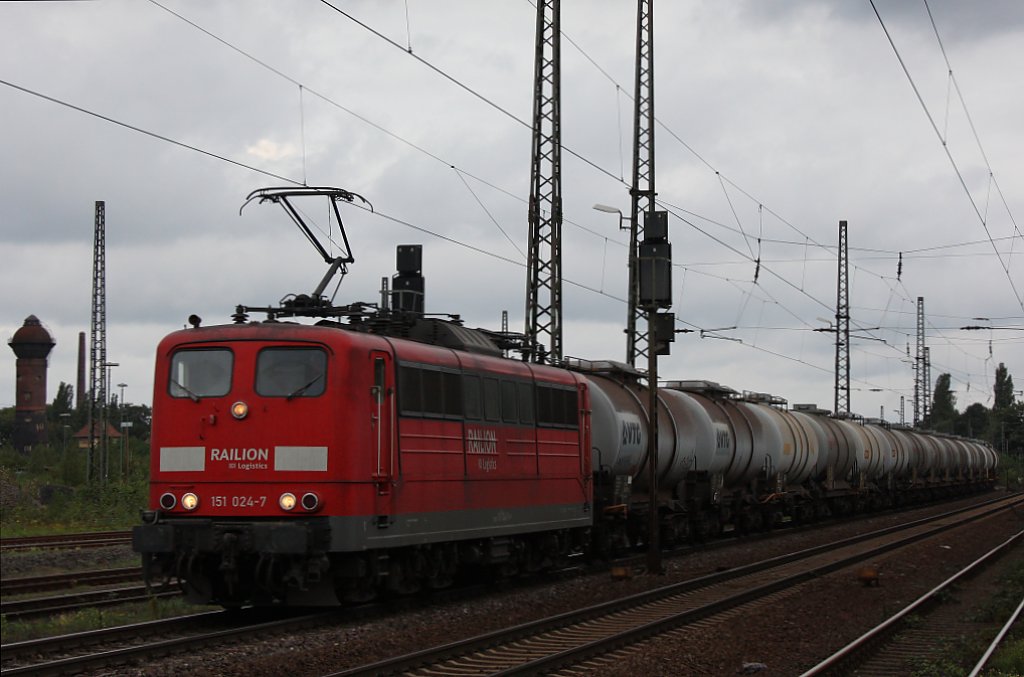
(382, 421)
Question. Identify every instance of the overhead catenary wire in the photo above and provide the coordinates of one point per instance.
(970, 119)
(462, 174)
(522, 122)
(948, 152)
(146, 132)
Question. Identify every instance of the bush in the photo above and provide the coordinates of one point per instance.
(1008, 660)
(45, 492)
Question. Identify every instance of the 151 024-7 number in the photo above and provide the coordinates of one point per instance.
(238, 501)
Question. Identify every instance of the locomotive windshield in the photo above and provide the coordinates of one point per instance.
(201, 373)
(291, 372)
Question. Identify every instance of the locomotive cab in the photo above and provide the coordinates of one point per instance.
(251, 445)
(306, 465)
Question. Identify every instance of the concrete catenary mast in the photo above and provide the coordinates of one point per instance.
(544, 261)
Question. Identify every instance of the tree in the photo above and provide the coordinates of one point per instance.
(63, 402)
(1003, 389)
(1013, 429)
(973, 422)
(1006, 428)
(943, 414)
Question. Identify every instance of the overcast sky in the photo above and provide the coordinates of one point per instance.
(776, 121)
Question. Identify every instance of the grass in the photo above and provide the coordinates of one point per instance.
(1011, 591)
(40, 562)
(959, 656)
(95, 618)
(45, 493)
(1008, 660)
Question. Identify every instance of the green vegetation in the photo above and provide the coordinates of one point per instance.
(46, 490)
(1011, 591)
(959, 657)
(97, 617)
(1002, 426)
(1008, 660)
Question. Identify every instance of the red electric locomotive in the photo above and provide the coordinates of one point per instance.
(380, 449)
(310, 464)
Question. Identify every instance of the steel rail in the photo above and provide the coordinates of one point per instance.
(53, 645)
(48, 646)
(122, 655)
(585, 649)
(15, 586)
(43, 606)
(88, 539)
(997, 641)
(858, 645)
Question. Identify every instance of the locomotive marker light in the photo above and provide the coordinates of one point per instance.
(239, 410)
(310, 501)
(168, 501)
(654, 260)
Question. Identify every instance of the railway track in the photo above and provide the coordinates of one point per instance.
(193, 633)
(583, 639)
(45, 606)
(96, 649)
(893, 646)
(19, 586)
(93, 539)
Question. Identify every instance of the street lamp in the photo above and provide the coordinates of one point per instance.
(623, 219)
(120, 409)
(105, 442)
(650, 282)
(106, 391)
(64, 418)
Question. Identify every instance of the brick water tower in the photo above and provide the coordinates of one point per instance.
(31, 344)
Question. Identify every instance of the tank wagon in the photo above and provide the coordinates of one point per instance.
(380, 450)
(729, 460)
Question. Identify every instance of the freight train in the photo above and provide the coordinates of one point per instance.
(382, 450)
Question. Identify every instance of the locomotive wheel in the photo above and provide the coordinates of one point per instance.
(441, 566)
(404, 572)
(356, 591)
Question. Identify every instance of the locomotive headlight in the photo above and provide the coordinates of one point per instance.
(189, 501)
(287, 501)
(168, 501)
(239, 410)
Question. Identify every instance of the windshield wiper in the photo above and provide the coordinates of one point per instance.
(301, 389)
(191, 395)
